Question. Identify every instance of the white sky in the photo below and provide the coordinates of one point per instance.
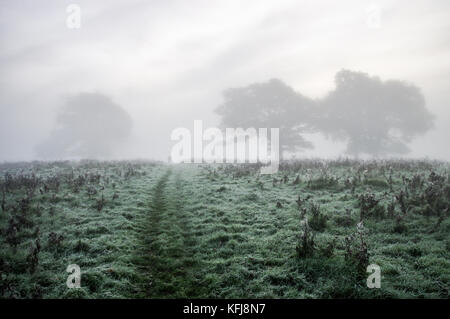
(167, 62)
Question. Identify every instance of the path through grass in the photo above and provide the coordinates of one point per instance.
(166, 258)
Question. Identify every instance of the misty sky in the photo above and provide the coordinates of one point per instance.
(167, 62)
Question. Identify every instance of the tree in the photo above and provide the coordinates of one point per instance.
(89, 125)
(375, 117)
(272, 104)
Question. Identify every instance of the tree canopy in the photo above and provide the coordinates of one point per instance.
(89, 125)
(375, 117)
(372, 116)
(271, 104)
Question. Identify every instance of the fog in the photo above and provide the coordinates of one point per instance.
(144, 68)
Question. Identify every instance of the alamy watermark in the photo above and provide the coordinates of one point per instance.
(74, 279)
(374, 279)
(73, 20)
(373, 20)
(237, 145)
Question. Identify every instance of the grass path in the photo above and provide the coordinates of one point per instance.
(166, 259)
(197, 243)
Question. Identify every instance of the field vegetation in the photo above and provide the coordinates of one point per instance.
(153, 230)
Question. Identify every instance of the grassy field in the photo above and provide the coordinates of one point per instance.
(152, 230)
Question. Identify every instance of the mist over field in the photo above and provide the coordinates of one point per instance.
(211, 149)
(166, 64)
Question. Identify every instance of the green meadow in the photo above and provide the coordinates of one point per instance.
(152, 230)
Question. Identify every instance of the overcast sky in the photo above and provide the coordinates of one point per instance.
(167, 62)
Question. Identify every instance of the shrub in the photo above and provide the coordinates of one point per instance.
(437, 194)
(78, 293)
(345, 220)
(81, 246)
(92, 281)
(328, 249)
(356, 251)
(367, 203)
(54, 240)
(324, 181)
(302, 201)
(100, 203)
(376, 182)
(11, 233)
(401, 199)
(33, 256)
(305, 246)
(391, 209)
(399, 227)
(317, 221)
